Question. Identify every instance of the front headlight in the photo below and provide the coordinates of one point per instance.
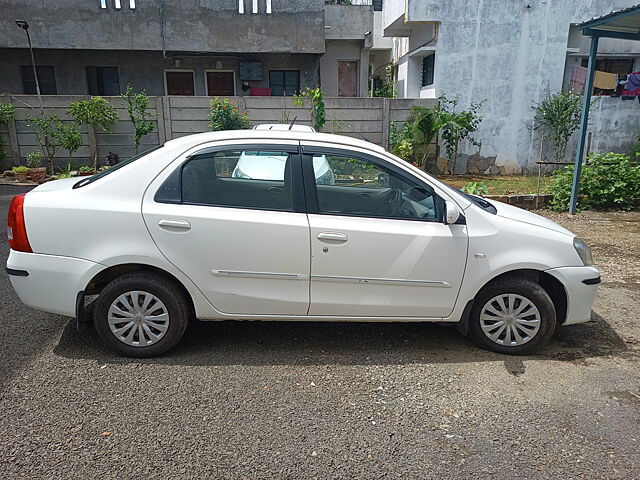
(584, 251)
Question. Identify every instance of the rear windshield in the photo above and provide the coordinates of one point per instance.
(104, 173)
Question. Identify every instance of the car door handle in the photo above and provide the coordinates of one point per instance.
(332, 237)
(178, 224)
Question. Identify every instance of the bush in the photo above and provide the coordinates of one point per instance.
(608, 180)
(476, 188)
(20, 169)
(224, 115)
(559, 116)
(34, 159)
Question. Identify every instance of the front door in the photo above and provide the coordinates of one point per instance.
(220, 84)
(239, 232)
(379, 247)
(347, 79)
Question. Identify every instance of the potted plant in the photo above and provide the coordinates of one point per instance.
(85, 171)
(34, 160)
(21, 172)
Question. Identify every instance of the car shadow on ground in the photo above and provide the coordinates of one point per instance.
(313, 343)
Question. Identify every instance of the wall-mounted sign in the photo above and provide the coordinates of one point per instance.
(250, 71)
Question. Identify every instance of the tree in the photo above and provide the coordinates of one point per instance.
(96, 113)
(7, 112)
(136, 106)
(69, 138)
(559, 115)
(46, 130)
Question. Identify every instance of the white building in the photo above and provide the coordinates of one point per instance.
(504, 52)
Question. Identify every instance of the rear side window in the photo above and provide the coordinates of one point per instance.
(233, 178)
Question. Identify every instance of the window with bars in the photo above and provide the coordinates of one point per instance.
(428, 68)
(284, 82)
(103, 81)
(46, 79)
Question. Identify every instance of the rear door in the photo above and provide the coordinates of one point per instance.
(243, 241)
(379, 247)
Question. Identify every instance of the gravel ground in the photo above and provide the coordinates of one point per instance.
(296, 400)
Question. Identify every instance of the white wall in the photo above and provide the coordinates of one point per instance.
(503, 53)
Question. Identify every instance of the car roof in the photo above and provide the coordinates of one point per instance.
(284, 126)
(339, 140)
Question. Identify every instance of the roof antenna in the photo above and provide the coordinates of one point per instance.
(292, 122)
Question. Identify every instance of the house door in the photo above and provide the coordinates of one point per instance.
(220, 84)
(347, 79)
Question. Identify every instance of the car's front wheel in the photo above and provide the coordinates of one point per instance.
(512, 317)
(141, 314)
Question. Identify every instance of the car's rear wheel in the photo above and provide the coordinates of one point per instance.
(141, 314)
(513, 317)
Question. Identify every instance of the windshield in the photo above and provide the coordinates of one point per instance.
(93, 178)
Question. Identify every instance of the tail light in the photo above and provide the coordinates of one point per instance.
(16, 228)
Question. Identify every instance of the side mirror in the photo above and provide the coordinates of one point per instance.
(452, 213)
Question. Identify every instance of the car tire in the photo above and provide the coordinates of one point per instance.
(525, 310)
(160, 318)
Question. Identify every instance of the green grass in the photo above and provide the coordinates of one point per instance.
(502, 184)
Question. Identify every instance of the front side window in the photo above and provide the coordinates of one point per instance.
(237, 178)
(361, 187)
(46, 79)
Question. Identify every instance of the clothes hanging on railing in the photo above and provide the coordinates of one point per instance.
(578, 79)
(605, 80)
(632, 87)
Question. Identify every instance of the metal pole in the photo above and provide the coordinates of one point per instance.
(584, 119)
(35, 73)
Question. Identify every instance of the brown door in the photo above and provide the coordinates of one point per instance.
(347, 79)
(220, 84)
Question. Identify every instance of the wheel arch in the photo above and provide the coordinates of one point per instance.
(554, 288)
(105, 276)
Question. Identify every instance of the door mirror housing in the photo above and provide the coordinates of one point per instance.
(452, 213)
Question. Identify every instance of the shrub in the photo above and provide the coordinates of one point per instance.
(317, 105)
(608, 180)
(389, 88)
(7, 112)
(559, 116)
(476, 188)
(20, 169)
(112, 159)
(34, 159)
(224, 115)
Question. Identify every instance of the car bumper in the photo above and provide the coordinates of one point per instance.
(581, 284)
(49, 283)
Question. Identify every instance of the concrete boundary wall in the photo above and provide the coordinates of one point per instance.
(365, 118)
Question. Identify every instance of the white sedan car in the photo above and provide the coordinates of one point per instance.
(174, 234)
